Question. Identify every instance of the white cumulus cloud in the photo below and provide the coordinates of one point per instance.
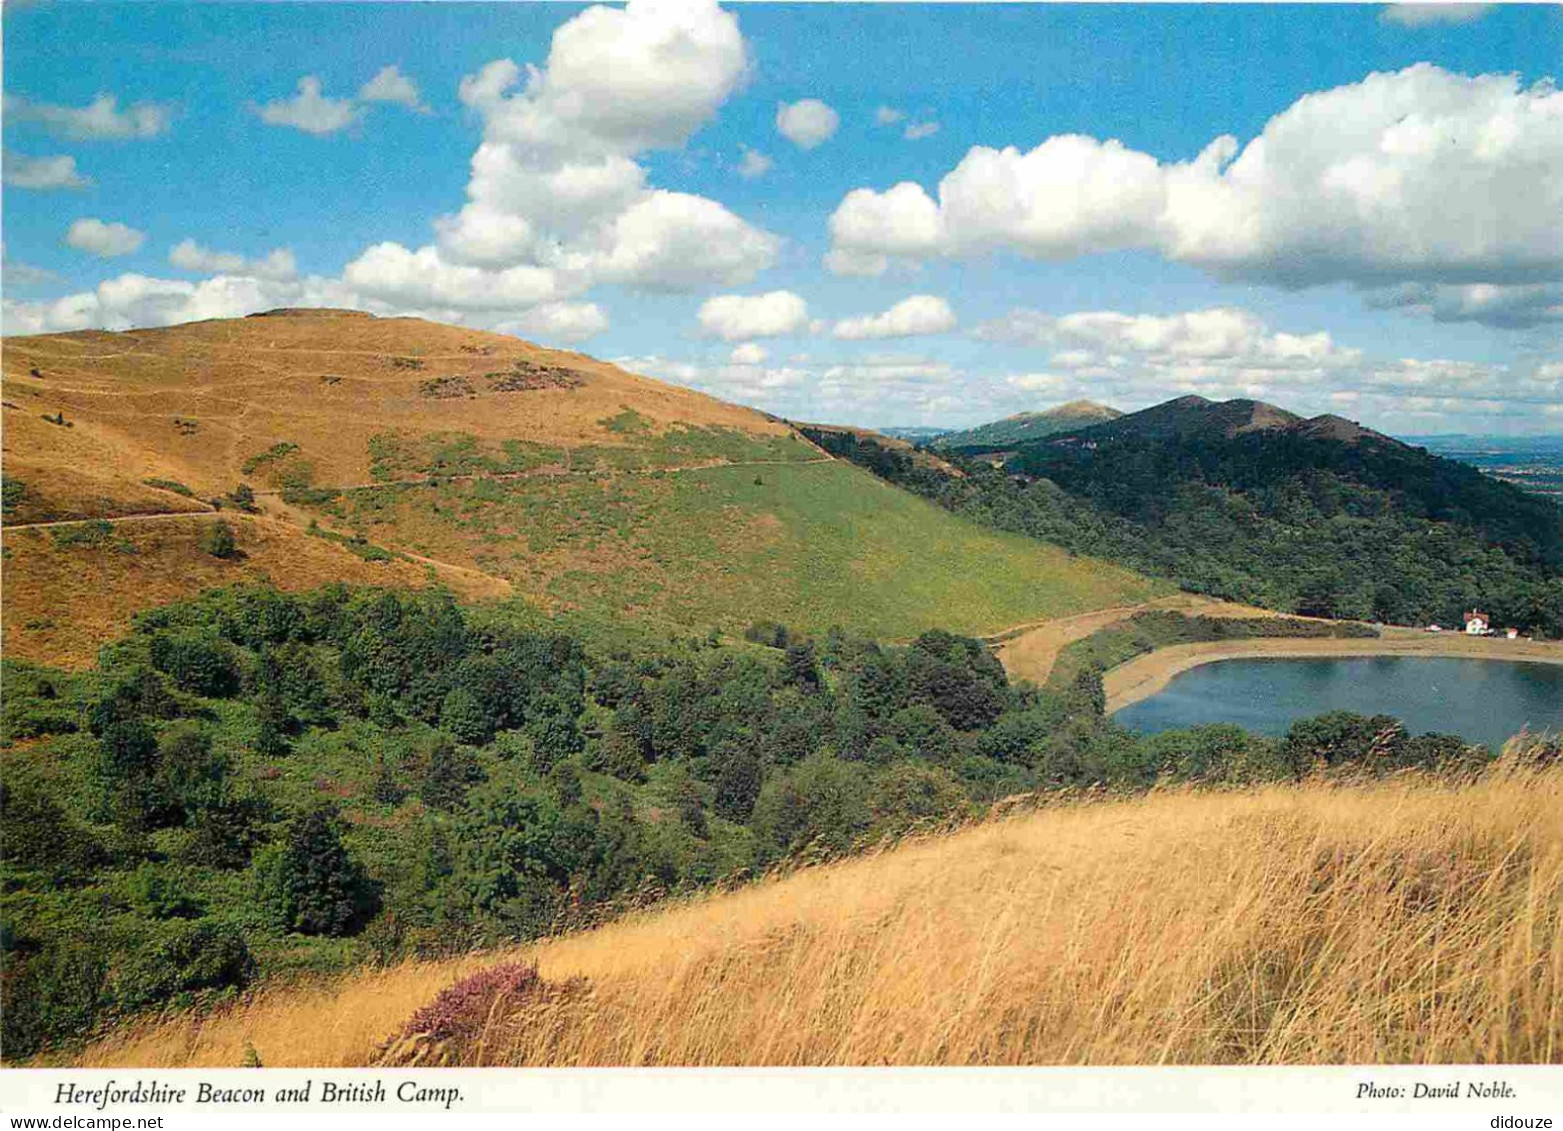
(104, 240)
(1425, 15)
(394, 274)
(736, 318)
(1221, 342)
(18, 274)
(102, 119)
(807, 123)
(754, 164)
(557, 200)
(1419, 176)
(188, 255)
(134, 299)
(390, 85)
(1518, 306)
(566, 322)
(911, 317)
(43, 173)
(309, 110)
(749, 353)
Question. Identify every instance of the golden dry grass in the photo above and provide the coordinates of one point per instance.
(324, 380)
(62, 603)
(1407, 920)
(193, 404)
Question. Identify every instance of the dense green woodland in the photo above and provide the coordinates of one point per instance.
(258, 784)
(1371, 530)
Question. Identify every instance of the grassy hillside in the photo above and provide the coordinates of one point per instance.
(1409, 921)
(504, 467)
(813, 546)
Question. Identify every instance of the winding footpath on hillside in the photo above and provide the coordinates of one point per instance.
(501, 585)
(1028, 651)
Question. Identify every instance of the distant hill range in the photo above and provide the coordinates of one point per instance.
(916, 434)
(1180, 419)
(1194, 418)
(1025, 426)
(1246, 500)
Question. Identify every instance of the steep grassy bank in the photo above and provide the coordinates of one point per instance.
(812, 545)
(1409, 920)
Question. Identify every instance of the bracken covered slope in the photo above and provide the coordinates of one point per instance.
(401, 451)
(196, 403)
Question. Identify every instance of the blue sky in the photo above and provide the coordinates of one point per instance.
(1391, 248)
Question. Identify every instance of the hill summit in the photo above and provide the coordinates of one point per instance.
(1025, 426)
(1244, 500)
(200, 403)
(1194, 417)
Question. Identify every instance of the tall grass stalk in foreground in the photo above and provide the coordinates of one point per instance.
(1402, 920)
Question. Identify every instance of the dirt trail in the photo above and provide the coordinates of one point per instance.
(1029, 651)
(10, 526)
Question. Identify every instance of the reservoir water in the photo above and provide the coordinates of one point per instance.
(1483, 701)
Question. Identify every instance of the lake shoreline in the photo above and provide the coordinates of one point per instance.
(1147, 674)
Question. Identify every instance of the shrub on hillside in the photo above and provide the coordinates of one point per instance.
(51, 991)
(12, 494)
(446, 772)
(98, 532)
(201, 663)
(179, 959)
(908, 794)
(444, 1032)
(822, 801)
(191, 775)
(768, 633)
(738, 783)
(463, 715)
(173, 485)
(37, 835)
(217, 540)
(311, 884)
(226, 834)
